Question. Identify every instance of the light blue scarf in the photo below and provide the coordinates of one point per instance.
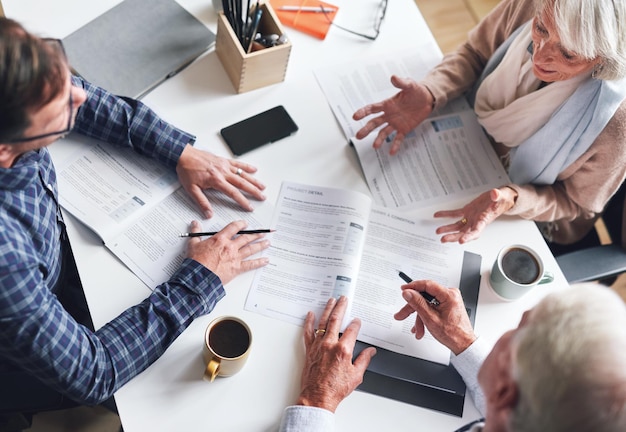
(569, 132)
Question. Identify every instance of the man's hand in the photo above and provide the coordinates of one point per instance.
(448, 322)
(226, 253)
(329, 375)
(199, 170)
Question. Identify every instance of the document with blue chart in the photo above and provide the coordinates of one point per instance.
(331, 242)
(445, 159)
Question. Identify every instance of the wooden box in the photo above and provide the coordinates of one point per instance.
(249, 71)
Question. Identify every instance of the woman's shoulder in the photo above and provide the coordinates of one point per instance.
(514, 13)
(499, 24)
(621, 110)
(617, 125)
(612, 139)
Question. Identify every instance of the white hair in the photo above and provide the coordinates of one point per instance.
(570, 363)
(591, 29)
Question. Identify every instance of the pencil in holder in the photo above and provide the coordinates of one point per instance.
(249, 71)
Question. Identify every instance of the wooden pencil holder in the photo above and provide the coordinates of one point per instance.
(249, 71)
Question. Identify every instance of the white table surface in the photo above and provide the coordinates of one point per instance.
(170, 395)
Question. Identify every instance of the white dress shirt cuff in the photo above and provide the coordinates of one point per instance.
(467, 365)
(298, 418)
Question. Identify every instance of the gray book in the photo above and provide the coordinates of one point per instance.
(136, 45)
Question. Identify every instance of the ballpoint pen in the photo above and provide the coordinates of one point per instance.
(210, 233)
(429, 298)
(254, 25)
(307, 9)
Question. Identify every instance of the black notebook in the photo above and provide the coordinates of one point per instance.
(420, 382)
(136, 45)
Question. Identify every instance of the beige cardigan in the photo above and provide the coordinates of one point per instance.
(576, 199)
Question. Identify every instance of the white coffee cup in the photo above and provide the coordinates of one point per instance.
(516, 271)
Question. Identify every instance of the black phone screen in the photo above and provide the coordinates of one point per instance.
(260, 129)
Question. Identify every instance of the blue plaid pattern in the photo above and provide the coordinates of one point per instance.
(36, 333)
(129, 123)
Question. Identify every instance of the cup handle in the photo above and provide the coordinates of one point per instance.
(547, 278)
(211, 370)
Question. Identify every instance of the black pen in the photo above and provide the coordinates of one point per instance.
(429, 298)
(254, 26)
(210, 233)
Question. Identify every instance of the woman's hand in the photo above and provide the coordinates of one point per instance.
(199, 170)
(401, 113)
(475, 216)
(329, 374)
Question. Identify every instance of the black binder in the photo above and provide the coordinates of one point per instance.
(421, 382)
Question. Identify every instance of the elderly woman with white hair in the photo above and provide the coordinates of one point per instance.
(547, 81)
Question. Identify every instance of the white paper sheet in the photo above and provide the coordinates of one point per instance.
(330, 242)
(446, 158)
(139, 209)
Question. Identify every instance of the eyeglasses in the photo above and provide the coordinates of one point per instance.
(382, 9)
(58, 45)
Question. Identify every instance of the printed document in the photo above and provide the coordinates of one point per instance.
(139, 209)
(332, 242)
(446, 158)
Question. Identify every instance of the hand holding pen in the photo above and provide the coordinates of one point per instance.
(429, 298)
(227, 254)
(448, 322)
(212, 233)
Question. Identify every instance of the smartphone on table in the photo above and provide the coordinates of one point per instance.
(258, 130)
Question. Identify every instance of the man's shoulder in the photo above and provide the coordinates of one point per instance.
(15, 242)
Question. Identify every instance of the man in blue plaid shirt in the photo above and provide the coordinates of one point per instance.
(40, 338)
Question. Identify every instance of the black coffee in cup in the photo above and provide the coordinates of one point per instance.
(229, 338)
(520, 266)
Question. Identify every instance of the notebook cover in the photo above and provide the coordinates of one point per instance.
(136, 45)
(313, 23)
(421, 382)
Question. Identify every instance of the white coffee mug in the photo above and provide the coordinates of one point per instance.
(516, 271)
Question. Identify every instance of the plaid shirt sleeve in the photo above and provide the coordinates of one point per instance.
(36, 333)
(42, 338)
(130, 123)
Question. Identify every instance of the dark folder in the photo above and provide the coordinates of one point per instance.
(421, 382)
(136, 45)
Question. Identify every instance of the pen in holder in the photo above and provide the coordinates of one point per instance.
(249, 71)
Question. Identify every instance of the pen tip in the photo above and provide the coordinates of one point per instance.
(183, 235)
